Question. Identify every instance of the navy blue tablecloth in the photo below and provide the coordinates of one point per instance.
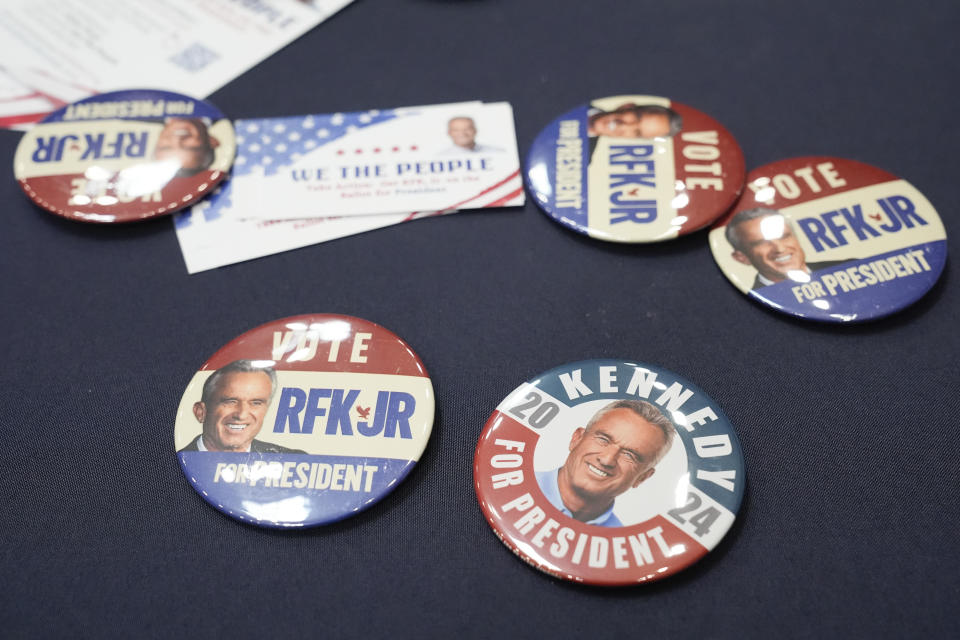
(849, 524)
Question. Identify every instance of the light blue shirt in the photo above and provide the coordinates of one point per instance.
(548, 484)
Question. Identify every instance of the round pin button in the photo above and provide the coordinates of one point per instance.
(125, 156)
(830, 239)
(304, 421)
(635, 169)
(609, 472)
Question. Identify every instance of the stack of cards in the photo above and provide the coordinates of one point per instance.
(302, 180)
(56, 52)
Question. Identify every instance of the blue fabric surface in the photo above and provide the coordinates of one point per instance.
(848, 528)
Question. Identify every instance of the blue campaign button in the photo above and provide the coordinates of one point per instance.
(635, 169)
(609, 472)
(830, 239)
(304, 421)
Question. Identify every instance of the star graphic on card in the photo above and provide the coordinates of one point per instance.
(272, 144)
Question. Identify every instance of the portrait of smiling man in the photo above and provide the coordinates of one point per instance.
(616, 451)
(765, 239)
(232, 407)
(463, 134)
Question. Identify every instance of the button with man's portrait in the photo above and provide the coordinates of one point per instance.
(830, 239)
(635, 169)
(304, 421)
(125, 156)
(609, 472)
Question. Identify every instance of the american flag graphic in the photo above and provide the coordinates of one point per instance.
(278, 142)
(272, 144)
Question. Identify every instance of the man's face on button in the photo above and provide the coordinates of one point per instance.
(234, 413)
(617, 453)
(771, 247)
(462, 131)
(183, 141)
(628, 124)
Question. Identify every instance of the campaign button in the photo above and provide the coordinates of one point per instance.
(635, 169)
(125, 156)
(830, 239)
(304, 421)
(609, 472)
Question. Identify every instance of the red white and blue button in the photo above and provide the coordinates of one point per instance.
(831, 239)
(125, 156)
(635, 169)
(304, 421)
(609, 472)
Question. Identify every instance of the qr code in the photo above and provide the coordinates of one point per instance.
(194, 58)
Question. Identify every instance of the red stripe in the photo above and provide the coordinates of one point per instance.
(463, 202)
(22, 118)
(25, 96)
(502, 201)
(56, 103)
(487, 190)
